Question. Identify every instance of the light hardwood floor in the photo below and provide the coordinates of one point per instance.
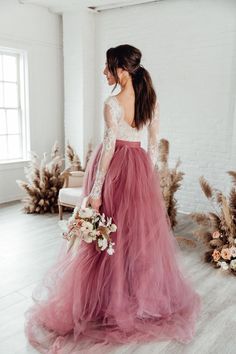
(28, 246)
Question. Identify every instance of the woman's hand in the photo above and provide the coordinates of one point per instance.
(95, 203)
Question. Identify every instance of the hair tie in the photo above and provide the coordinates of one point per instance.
(137, 68)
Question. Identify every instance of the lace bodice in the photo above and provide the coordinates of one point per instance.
(116, 127)
(124, 131)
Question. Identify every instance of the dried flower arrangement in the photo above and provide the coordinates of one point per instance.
(46, 179)
(44, 183)
(170, 180)
(218, 228)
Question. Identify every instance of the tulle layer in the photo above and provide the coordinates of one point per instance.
(89, 301)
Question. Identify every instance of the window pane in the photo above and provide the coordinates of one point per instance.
(13, 126)
(1, 94)
(9, 68)
(1, 67)
(3, 147)
(10, 95)
(14, 150)
(3, 123)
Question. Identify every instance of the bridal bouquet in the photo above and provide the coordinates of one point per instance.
(90, 226)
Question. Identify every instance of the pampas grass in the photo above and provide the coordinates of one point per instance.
(46, 178)
(74, 160)
(170, 180)
(44, 182)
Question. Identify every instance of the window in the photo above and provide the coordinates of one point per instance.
(14, 124)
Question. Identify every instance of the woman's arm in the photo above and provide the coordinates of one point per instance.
(108, 148)
(153, 134)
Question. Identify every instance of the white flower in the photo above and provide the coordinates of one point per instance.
(224, 265)
(87, 238)
(113, 227)
(93, 232)
(86, 227)
(86, 213)
(110, 251)
(233, 264)
(102, 243)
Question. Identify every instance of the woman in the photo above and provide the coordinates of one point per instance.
(91, 301)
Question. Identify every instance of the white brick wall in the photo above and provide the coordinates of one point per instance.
(189, 49)
(39, 32)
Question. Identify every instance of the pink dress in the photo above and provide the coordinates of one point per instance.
(90, 302)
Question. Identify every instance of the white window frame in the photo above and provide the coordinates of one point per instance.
(23, 103)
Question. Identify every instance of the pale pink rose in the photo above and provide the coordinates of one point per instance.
(216, 255)
(226, 253)
(216, 234)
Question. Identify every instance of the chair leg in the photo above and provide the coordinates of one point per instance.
(60, 207)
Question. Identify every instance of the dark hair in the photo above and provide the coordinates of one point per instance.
(128, 57)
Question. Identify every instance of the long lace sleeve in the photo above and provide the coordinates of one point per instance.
(153, 133)
(108, 147)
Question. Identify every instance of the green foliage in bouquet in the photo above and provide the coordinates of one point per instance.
(218, 228)
(44, 183)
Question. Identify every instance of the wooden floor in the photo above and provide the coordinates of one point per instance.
(28, 246)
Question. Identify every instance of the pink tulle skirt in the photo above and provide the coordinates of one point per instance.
(90, 302)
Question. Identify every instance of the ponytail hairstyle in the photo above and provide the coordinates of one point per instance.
(128, 57)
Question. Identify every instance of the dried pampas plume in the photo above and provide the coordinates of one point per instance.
(206, 187)
(74, 160)
(233, 175)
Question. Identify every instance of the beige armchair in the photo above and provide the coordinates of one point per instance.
(71, 190)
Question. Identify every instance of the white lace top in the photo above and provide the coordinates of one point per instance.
(116, 127)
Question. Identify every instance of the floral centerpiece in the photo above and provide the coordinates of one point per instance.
(218, 227)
